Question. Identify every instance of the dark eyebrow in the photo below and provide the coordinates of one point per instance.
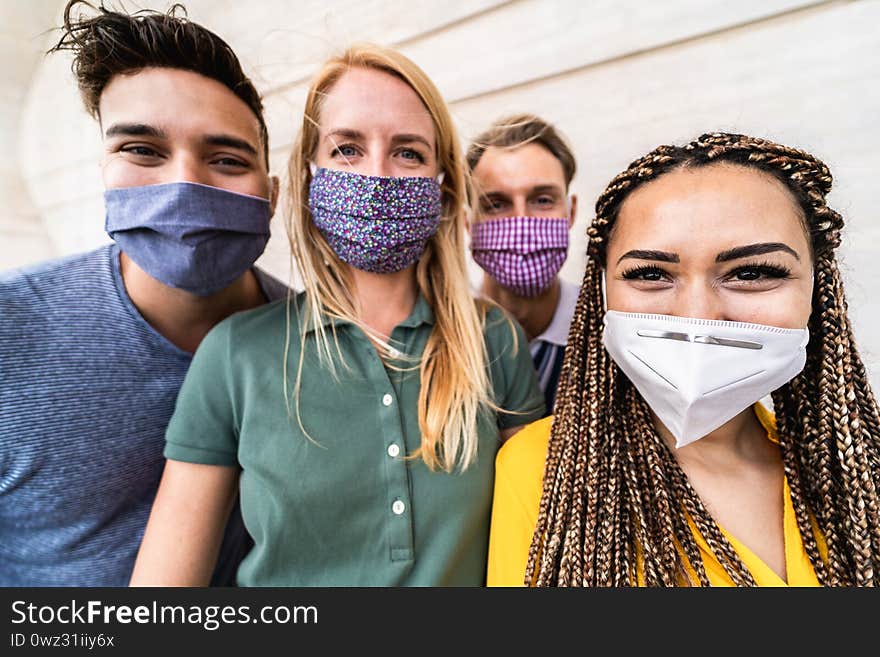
(144, 130)
(134, 130)
(231, 142)
(639, 254)
(753, 250)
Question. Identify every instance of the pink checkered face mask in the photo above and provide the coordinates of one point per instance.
(523, 254)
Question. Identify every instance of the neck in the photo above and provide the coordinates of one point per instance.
(742, 438)
(384, 300)
(533, 313)
(181, 317)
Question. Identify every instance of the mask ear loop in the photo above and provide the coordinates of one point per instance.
(440, 177)
(313, 168)
(604, 295)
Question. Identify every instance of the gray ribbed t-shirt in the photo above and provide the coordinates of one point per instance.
(87, 387)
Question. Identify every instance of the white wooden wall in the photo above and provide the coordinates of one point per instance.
(23, 235)
(618, 77)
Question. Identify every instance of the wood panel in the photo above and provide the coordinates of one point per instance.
(810, 80)
(526, 41)
(282, 42)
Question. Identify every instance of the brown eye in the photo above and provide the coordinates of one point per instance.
(230, 162)
(140, 151)
(750, 273)
(650, 274)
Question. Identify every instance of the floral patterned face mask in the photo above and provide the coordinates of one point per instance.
(375, 223)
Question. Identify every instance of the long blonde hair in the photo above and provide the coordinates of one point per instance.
(453, 373)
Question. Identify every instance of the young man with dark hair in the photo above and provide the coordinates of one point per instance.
(94, 347)
(522, 169)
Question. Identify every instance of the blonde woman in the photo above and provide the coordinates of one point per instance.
(712, 283)
(361, 418)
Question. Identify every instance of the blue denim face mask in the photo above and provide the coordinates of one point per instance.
(186, 235)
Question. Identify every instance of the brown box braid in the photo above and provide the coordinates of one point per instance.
(615, 503)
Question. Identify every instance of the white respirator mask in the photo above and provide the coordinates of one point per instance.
(696, 374)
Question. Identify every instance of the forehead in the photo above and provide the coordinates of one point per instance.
(707, 210)
(179, 102)
(510, 170)
(367, 99)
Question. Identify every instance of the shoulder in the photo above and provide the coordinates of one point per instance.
(767, 418)
(35, 284)
(268, 318)
(568, 297)
(255, 329)
(57, 267)
(560, 324)
(569, 290)
(492, 313)
(524, 454)
(273, 288)
(501, 331)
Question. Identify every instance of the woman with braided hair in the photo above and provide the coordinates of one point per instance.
(711, 284)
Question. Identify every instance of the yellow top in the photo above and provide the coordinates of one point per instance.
(519, 473)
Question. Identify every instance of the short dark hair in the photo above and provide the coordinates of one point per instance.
(106, 43)
(518, 130)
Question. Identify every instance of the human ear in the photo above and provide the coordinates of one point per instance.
(572, 209)
(275, 187)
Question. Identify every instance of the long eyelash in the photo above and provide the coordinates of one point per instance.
(232, 162)
(765, 268)
(635, 272)
(338, 148)
(418, 155)
(128, 148)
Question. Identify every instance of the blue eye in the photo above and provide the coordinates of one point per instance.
(345, 150)
(412, 155)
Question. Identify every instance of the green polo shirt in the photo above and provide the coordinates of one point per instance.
(341, 506)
